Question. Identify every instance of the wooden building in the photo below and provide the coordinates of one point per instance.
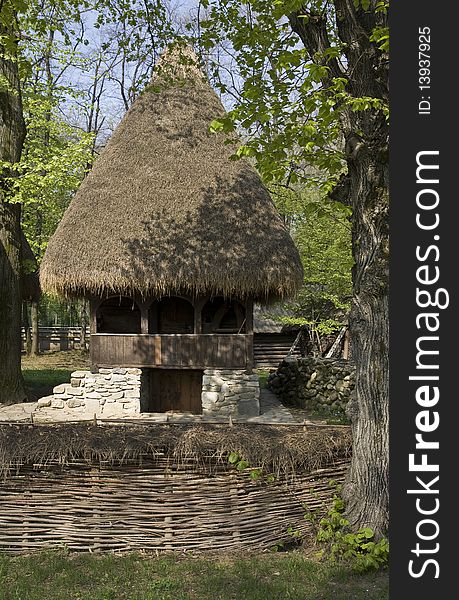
(272, 338)
(173, 242)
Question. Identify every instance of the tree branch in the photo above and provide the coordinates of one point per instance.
(312, 30)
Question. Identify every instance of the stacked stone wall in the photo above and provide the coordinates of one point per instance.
(110, 392)
(118, 392)
(317, 384)
(230, 392)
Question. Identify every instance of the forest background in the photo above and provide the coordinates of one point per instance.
(81, 67)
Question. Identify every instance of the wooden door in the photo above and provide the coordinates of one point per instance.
(175, 390)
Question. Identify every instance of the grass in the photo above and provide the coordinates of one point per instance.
(263, 378)
(281, 576)
(41, 373)
(331, 418)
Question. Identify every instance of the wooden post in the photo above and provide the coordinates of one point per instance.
(25, 322)
(96, 520)
(346, 345)
(336, 343)
(197, 316)
(198, 305)
(83, 323)
(249, 315)
(35, 349)
(25, 538)
(143, 317)
(153, 316)
(94, 305)
(235, 512)
(168, 533)
(250, 363)
(157, 353)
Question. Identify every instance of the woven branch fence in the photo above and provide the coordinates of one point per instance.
(156, 502)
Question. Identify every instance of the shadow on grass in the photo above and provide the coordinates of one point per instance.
(40, 382)
(43, 372)
(185, 577)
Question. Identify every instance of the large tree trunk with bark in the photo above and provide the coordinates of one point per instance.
(366, 491)
(11, 382)
(365, 188)
(12, 133)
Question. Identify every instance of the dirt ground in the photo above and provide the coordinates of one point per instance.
(70, 359)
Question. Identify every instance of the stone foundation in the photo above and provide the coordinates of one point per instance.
(110, 392)
(230, 392)
(117, 392)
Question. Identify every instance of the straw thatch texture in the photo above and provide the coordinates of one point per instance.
(164, 210)
(172, 489)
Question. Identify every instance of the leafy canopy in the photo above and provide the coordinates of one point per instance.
(287, 101)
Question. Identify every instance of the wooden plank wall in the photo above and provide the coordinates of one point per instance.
(172, 351)
(175, 389)
(271, 348)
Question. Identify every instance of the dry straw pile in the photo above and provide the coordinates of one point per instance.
(283, 450)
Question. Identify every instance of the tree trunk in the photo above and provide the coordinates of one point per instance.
(366, 491)
(12, 133)
(35, 332)
(84, 321)
(26, 325)
(11, 383)
(365, 188)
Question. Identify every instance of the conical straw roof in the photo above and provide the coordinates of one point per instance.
(164, 210)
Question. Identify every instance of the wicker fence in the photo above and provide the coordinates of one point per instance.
(156, 503)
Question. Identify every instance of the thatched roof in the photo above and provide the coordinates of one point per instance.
(164, 210)
(276, 449)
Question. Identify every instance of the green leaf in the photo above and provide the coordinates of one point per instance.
(216, 125)
(233, 458)
(19, 6)
(367, 532)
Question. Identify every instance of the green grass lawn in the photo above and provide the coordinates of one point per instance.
(43, 372)
(46, 377)
(282, 576)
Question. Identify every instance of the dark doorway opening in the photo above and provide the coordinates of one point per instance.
(177, 390)
(118, 315)
(220, 315)
(172, 315)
